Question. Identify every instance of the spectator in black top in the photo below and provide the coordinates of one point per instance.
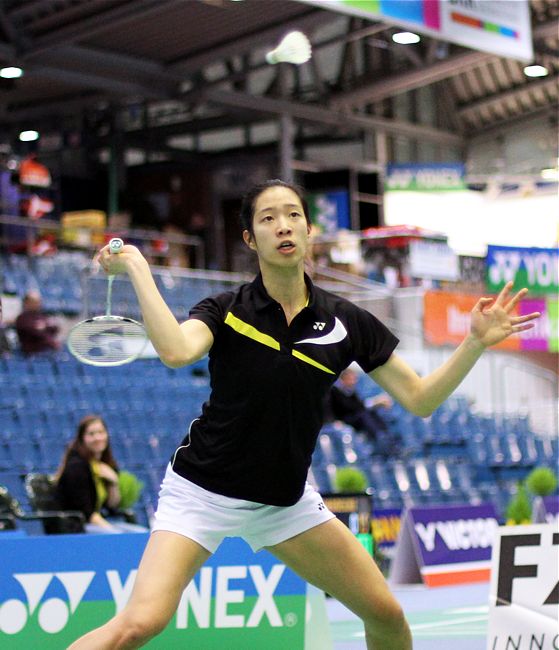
(345, 404)
(88, 476)
(276, 346)
(37, 332)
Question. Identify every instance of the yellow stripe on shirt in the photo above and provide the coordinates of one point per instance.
(303, 357)
(251, 332)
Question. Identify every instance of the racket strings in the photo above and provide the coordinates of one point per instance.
(107, 340)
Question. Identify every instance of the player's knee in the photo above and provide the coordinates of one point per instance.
(137, 629)
(389, 616)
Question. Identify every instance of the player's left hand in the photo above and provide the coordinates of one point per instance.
(494, 319)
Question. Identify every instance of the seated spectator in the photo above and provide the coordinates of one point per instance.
(345, 404)
(88, 478)
(35, 329)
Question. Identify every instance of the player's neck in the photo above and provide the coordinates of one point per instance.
(288, 288)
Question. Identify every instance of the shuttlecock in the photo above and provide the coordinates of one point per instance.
(294, 48)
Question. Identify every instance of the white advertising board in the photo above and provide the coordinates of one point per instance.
(524, 592)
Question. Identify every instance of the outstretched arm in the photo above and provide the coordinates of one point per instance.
(493, 320)
(177, 345)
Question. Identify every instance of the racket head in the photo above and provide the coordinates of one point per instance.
(107, 340)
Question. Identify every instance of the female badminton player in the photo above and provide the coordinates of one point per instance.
(275, 347)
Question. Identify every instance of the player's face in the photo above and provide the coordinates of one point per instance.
(96, 438)
(280, 230)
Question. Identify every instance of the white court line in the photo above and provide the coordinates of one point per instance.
(426, 634)
(457, 621)
(469, 610)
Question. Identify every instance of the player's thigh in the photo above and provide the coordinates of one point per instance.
(330, 557)
(168, 564)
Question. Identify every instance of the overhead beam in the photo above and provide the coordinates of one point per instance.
(88, 27)
(117, 64)
(376, 90)
(546, 30)
(480, 104)
(373, 91)
(97, 82)
(45, 109)
(340, 119)
(500, 126)
(239, 45)
(7, 52)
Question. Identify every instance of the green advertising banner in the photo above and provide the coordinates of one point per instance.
(55, 588)
(537, 269)
(425, 177)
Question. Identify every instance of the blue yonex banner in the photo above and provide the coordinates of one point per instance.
(55, 588)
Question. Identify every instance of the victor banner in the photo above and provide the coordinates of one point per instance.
(445, 545)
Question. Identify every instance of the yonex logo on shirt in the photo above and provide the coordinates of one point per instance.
(335, 336)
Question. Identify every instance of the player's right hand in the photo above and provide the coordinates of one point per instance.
(113, 263)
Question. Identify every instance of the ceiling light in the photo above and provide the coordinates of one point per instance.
(536, 71)
(11, 72)
(29, 136)
(405, 38)
(550, 174)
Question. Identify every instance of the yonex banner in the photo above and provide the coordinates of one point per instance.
(423, 177)
(501, 27)
(534, 268)
(445, 545)
(524, 592)
(55, 588)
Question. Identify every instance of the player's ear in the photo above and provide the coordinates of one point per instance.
(248, 239)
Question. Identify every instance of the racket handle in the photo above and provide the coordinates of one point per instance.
(115, 245)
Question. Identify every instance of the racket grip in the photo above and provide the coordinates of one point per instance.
(115, 245)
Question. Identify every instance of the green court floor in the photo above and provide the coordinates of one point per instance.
(445, 617)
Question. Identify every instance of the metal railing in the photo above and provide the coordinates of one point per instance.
(31, 229)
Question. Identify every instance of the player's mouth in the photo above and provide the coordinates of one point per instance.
(286, 247)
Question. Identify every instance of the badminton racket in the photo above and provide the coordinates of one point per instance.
(108, 340)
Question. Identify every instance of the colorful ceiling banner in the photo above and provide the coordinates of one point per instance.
(537, 269)
(500, 27)
(447, 316)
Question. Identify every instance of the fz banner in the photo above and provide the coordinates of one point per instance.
(524, 592)
(500, 27)
(55, 588)
(445, 545)
(537, 269)
(447, 316)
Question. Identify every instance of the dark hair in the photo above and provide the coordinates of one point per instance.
(77, 445)
(249, 199)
